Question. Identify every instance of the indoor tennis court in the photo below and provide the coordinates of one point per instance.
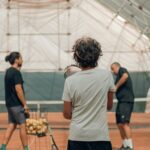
(43, 38)
(60, 126)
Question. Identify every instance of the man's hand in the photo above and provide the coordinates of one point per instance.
(26, 110)
(116, 88)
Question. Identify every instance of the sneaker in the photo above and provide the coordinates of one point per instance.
(122, 148)
(26, 148)
(128, 148)
(2, 148)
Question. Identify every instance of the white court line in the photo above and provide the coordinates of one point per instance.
(58, 102)
(38, 103)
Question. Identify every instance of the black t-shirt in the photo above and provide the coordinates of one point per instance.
(12, 78)
(125, 92)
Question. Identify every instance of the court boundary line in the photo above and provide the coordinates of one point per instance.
(38, 103)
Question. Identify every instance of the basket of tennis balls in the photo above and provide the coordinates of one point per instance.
(37, 126)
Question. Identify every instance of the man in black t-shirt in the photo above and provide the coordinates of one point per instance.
(125, 96)
(12, 78)
(15, 100)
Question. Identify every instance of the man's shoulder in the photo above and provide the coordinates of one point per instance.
(73, 76)
(123, 69)
(11, 69)
(12, 72)
(104, 72)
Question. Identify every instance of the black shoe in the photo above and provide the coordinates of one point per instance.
(128, 148)
(121, 148)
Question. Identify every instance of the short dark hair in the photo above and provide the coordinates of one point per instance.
(87, 52)
(116, 63)
(12, 57)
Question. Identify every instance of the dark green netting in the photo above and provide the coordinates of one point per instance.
(49, 86)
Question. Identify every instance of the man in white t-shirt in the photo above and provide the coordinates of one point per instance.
(87, 96)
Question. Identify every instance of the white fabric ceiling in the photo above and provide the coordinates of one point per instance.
(137, 12)
(45, 34)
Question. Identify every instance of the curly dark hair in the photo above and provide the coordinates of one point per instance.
(87, 52)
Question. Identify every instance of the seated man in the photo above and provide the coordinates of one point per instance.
(87, 96)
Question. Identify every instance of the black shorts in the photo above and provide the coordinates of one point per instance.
(123, 112)
(16, 115)
(98, 145)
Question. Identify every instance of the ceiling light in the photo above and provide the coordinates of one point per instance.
(121, 18)
(145, 37)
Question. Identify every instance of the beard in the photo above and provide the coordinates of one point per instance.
(19, 65)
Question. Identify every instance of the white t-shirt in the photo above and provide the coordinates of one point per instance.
(87, 90)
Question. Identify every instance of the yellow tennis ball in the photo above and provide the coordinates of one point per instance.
(38, 127)
(31, 128)
(44, 121)
(34, 132)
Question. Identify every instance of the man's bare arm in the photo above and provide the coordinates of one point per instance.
(122, 80)
(110, 100)
(67, 110)
(20, 95)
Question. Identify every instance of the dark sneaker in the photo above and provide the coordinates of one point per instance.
(128, 148)
(121, 148)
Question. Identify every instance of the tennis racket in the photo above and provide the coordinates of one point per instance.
(53, 143)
